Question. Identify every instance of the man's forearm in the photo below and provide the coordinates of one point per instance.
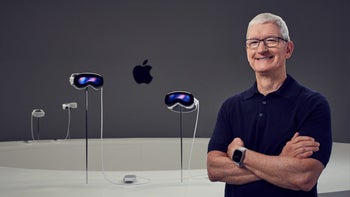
(287, 172)
(221, 168)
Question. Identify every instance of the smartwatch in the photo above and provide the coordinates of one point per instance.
(238, 156)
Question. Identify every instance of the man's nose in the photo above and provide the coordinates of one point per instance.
(262, 47)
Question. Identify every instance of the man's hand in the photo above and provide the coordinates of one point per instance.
(300, 147)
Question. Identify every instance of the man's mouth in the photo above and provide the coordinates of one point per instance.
(264, 58)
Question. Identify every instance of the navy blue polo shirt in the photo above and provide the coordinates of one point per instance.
(266, 123)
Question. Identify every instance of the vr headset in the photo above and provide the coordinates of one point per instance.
(83, 80)
(181, 101)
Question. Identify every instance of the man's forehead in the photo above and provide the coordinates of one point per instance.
(264, 29)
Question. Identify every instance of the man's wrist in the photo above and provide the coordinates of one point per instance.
(238, 156)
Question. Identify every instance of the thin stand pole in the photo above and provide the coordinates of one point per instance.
(181, 145)
(38, 129)
(86, 134)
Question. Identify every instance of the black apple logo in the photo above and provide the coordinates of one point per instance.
(142, 73)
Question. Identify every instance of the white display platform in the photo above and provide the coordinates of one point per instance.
(21, 181)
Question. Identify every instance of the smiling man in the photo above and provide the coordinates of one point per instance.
(273, 139)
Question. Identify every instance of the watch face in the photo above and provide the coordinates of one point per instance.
(237, 155)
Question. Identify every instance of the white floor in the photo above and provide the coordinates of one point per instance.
(43, 183)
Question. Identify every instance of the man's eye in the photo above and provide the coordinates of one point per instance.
(253, 42)
(271, 40)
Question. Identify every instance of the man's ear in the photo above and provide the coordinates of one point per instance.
(290, 49)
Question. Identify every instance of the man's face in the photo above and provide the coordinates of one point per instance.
(264, 60)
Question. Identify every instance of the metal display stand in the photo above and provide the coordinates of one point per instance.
(82, 81)
(86, 135)
(183, 102)
(181, 143)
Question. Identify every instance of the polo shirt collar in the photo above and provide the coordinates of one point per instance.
(289, 89)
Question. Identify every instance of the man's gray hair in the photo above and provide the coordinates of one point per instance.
(271, 18)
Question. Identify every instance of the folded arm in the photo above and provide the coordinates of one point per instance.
(292, 169)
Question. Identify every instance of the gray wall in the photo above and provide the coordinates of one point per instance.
(196, 46)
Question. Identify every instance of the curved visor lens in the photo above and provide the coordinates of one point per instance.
(179, 98)
(84, 80)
